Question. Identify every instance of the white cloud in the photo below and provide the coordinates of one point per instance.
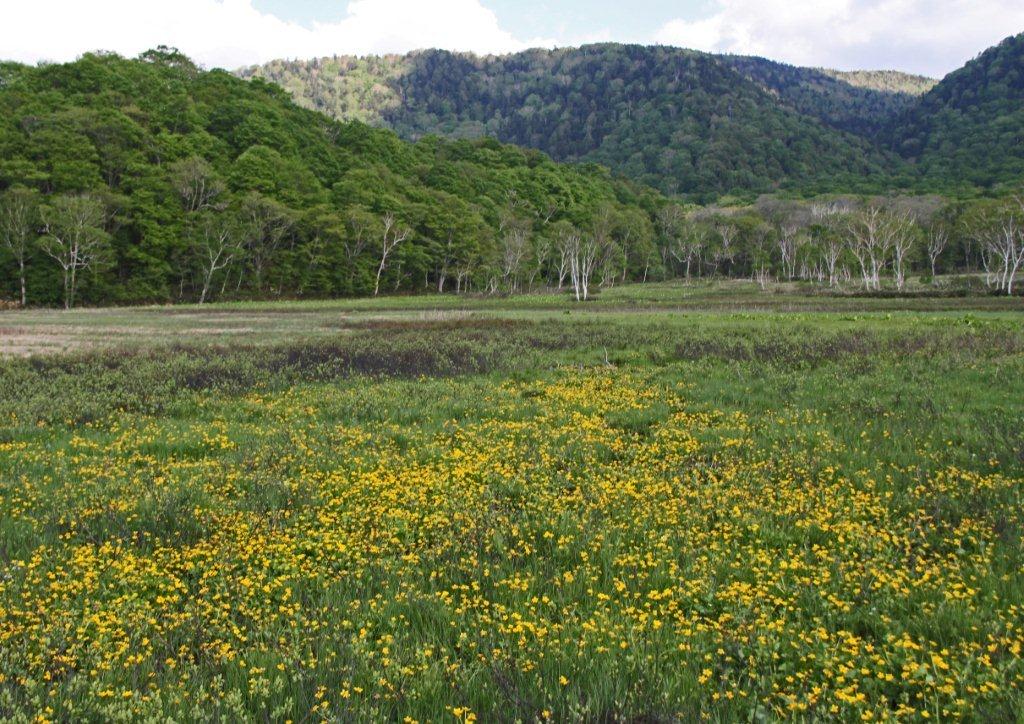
(931, 37)
(230, 33)
(928, 36)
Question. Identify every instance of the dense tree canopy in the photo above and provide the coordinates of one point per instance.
(678, 120)
(196, 185)
(971, 125)
(150, 180)
(682, 121)
(861, 102)
(697, 124)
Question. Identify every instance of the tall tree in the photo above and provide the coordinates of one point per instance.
(265, 224)
(391, 235)
(216, 246)
(937, 238)
(197, 183)
(868, 243)
(901, 231)
(19, 220)
(999, 228)
(75, 237)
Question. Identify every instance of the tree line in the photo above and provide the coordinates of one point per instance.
(149, 180)
(252, 246)
(849, 242)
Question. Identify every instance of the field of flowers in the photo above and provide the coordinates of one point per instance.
(728, 526)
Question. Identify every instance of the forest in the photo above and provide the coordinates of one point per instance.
(150, 180)
(696, 124)
(681, 121)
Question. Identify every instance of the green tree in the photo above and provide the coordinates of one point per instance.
(74, 237)
(216, 245)
(19, 220)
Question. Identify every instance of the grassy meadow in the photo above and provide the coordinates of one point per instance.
(672, 503)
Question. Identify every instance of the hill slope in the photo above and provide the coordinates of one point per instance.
(971, 125)
(680, 120)
(301, 193)
(861, 102)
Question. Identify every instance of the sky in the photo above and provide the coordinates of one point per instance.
(930, 37)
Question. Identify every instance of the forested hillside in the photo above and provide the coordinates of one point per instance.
(682, 121)
(861, 102)
(149, 180)
(971, 125)
(697, 124)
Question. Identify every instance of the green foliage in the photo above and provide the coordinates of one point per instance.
(212, 187)
(697, 124)
(970, 127)
(861, 102)
(163, 146)
(682, 121)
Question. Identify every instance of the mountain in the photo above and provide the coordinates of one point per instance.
(971, 124)
(680, 120)
(168, 157)
(860, 102)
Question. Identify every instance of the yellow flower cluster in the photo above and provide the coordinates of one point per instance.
(580, 547)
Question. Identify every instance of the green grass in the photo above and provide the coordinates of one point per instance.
(675, 502)
(42, 331)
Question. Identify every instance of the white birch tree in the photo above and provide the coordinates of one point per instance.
(216, 247)
(74, 236)
(19, 220)
(392, 235)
